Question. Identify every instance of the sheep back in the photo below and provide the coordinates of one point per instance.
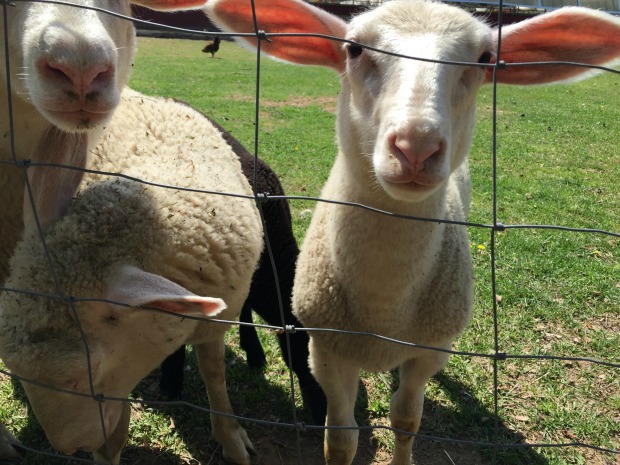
(208, 243)
(220, 235)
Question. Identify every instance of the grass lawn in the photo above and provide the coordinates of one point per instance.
(557, 293)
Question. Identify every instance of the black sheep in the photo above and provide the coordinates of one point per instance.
(263, 297)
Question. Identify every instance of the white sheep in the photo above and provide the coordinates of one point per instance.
(68, 66)
(404, 131)
(264, 297)
(137, 244)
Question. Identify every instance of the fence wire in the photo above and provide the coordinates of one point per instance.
(497, 356)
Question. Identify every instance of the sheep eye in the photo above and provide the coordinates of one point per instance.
(485, 58)
(355, 50)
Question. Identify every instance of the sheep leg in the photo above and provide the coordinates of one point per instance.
(408, 400)
(172, 374)
(227, 431)
(267, 307)
(110, 452)
(311, 392)
(339, 380)
(248, 339)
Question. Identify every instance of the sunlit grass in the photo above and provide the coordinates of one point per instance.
(558, 293)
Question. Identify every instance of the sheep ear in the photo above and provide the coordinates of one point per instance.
(571, 34)
(171, 5)
(53, 188)
(137, 288)
(284, 16)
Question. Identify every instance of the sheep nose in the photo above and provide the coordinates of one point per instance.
(415, 148)
(79, 81)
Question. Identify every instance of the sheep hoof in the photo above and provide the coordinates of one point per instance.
(241, 455)
(337, 457)
(256, 359)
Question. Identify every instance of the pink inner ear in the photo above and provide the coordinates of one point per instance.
(284, 16)
(573, 35)
(193, 306)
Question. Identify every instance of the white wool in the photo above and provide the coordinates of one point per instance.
(52, 48)
(363, 271)
(404, 130)
(208, 244)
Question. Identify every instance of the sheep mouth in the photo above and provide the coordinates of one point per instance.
(414, 187)
(402, 174)
(79, 119)
(413, 183)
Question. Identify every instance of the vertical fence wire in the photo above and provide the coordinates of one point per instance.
(500, 25)
(259, 202)
(496, 357)
(29, 192)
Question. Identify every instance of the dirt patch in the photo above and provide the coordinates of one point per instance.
(326, 103)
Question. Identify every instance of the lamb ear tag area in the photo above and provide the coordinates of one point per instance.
(189, 306)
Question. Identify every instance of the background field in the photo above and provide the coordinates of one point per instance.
(558, 292)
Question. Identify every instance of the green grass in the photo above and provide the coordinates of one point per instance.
(558, 163)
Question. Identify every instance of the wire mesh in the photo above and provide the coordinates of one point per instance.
(497, 356)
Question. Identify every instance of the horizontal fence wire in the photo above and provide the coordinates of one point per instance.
(497, 356)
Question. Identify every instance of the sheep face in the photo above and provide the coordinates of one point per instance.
(43, 339)
(49, 352)
(70, 62)
(69, 420)
(72, 422)
(405, 114)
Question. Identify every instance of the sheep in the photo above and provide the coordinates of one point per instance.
(123, 241)
(68, 66)
(263, 297)
(404, 130)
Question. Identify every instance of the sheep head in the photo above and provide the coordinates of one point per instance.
(409, 122)
(71, 62)
(115, 327)
(68, 353)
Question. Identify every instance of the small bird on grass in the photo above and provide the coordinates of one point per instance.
(212, 47)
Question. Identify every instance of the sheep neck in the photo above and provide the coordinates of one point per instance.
(393, 253)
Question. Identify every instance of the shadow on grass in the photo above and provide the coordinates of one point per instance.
(252, 396)
(470, 421)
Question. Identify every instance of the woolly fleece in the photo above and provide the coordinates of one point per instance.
(207, 243)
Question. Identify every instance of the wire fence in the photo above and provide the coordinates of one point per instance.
(496, 357)
(611, 6)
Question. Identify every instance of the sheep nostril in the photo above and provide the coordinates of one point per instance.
(81, 81)
(56, 72)
(416, 151)
(428, 155)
